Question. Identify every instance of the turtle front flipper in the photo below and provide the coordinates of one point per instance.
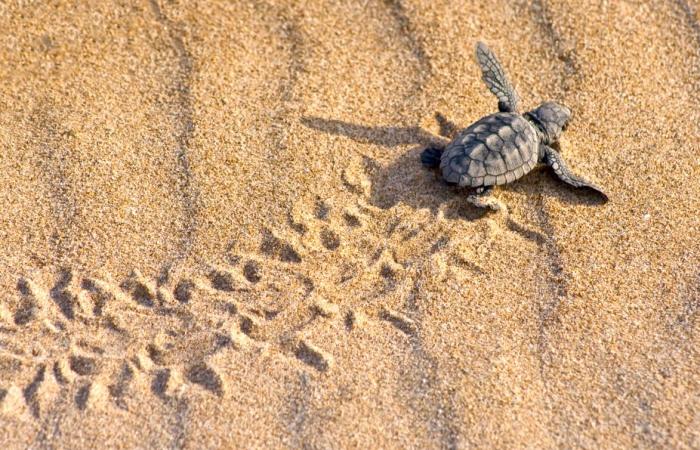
(496, 80)
(554, 160)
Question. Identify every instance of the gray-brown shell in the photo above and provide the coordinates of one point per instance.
(497, 149)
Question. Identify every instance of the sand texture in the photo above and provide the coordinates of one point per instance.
(216, 231)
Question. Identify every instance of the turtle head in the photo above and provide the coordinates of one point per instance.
(551, 119)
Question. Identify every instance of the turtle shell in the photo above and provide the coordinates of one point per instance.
(497, 149)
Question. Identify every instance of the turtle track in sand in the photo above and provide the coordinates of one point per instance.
(205, 318)
(183, 127)
(556, 278)
(351, 263)
(288, 31)
(55, 155)
(407, 33)
(546, 20)
(640, 411)
(691, 17)
(114, 310)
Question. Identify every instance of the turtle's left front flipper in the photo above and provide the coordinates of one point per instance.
(554, 160)
(495, 78)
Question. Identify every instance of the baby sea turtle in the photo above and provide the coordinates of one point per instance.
(502, 147)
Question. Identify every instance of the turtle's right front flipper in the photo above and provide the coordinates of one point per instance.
(554, 160)
(495, 78)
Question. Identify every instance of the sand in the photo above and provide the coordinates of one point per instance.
(216, 232)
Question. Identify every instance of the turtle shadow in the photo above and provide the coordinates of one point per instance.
(405, 180)
(570, 194)
(386, 136)
(543, 181)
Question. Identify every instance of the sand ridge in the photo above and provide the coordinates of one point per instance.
(217, 232)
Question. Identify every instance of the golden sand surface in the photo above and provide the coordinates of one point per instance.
(216, 231)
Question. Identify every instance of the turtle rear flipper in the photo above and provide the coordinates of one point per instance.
(482, 199)
(430, 157)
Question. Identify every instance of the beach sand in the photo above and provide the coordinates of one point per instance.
(217, 233)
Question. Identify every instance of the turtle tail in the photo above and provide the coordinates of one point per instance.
(430, 157)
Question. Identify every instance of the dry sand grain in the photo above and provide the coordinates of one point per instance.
(216, 232)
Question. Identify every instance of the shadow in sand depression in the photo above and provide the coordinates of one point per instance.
(406, 180)
(543, 181)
